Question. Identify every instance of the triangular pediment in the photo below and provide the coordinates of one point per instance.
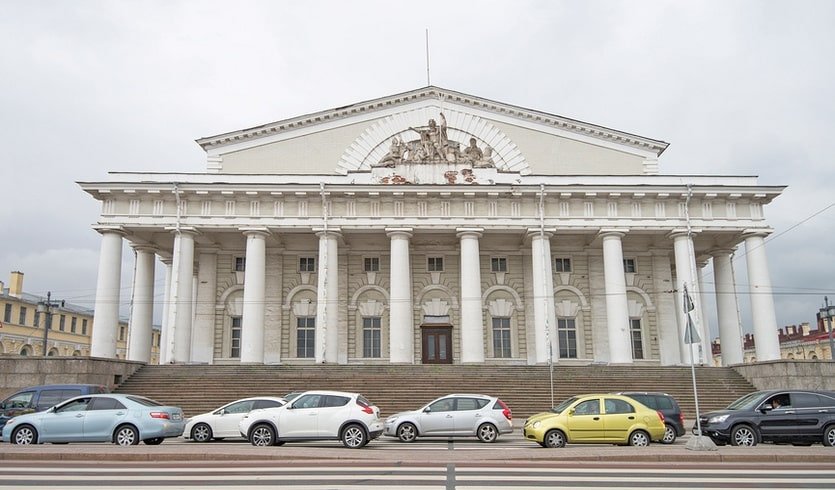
(358, 136)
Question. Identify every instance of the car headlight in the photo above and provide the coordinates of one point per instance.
(536, 424)
(717, 419)
(391, 420)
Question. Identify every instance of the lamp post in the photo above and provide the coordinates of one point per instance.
(45, 308)
(826, 314)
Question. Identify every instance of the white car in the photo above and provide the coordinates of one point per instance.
(315, 415)
(223, 422)
(481, 416)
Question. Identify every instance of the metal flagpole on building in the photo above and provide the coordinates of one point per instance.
(545, 298)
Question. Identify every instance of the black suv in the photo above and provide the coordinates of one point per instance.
(666, 404)
(801, 417)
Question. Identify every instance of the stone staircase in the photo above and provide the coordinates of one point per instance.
(526, 389)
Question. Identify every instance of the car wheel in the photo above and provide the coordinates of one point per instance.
(487, 433)
(829, 436)
(126, 435)
(407, 432)
(262, 435)
(639, 438)
(743, 435)
(201, 433)
(354, 437)
(25, 434)
(555, 439)
(669, 434)
(156, 441)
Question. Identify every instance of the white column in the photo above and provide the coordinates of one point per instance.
(108, 288)
(727, 308)
(707, 352)
(327, 301)
(142, 307)
(762, 302)
(182, 280)
(472, 319)
(166, 339)
(686, 274)
(401, 316)
(617, 312)
(204, 317)
(545, 318)
(665, 308)
(252, 322)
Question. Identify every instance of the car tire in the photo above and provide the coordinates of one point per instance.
(201, 433)
(487, 433)
(354, 437)
(262, 435)
(743, 435)
(156, 441)
(25, 434)
(829, 436)
(407, 432)
(126, 435)
(639, 438)
(669, 434)
(555, 439)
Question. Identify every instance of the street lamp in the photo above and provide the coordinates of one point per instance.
(826, 314)
(45, 308)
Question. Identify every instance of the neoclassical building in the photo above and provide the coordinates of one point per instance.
(432, 226)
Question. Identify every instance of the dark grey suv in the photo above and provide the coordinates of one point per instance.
(666, 404)
(801, 417)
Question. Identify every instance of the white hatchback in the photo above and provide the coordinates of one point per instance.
(223, 422)
(481, 416)
(315, 415)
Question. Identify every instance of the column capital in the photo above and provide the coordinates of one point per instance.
(259, 231)
(682, 233)
(330, 232)
(718, 252)
(399, 232)
(612, 232)
(469, 232)
(189, 230)
(143, 247)
(532, 233)
(166, 259)
(102, 229)
(757, 232)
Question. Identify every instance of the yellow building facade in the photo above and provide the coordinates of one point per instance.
(22, 326)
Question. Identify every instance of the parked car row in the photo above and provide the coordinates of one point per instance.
(631, 418)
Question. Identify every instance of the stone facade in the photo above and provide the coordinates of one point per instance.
(492, 234)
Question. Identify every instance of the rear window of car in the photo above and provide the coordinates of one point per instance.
(145, 401)
(663, 403)
(647, 400)
(363, 400)
(105, 403)
(335, 401)
(266, 404)
(470, 403)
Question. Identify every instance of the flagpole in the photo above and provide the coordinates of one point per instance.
(689, 339)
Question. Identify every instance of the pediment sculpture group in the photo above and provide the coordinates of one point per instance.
(434, 146)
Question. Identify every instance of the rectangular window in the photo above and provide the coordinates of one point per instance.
(435, 264)
(235, 344)
(73, 324)
(637, 339)
(84, 327)
(62, 323)
(562, 265)
(7, 313)
(371, 264)
(37, 318)
(629, 265)
(307, 264)
(305, 336)
(567, 334)
(371, 336)
(122, 331)
(501, 337)
(498, 264)
(240, 264)
(22, 316)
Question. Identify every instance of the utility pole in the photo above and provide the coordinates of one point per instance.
(45, 307)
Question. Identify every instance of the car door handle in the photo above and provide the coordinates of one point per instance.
(789, 412)
(823, 411)
(596, 418)
(79, 415)
(311, 415)
(449, 416)
(631, 417)
(120, 413)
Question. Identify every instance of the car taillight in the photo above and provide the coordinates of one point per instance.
(681, 419)
(160, 415)
(365, 408)
(660, 415)
(506, 410)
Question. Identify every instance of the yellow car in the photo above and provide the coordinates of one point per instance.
(607, 419)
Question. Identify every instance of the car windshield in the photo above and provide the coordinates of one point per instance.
(291, 396)
(562, 406)
(746, 402)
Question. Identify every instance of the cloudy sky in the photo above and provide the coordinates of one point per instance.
(87, 87)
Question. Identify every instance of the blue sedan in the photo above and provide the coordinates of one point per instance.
(122, 419)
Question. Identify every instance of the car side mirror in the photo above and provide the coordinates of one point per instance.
(3, 406)
(221, 412)
(290, 407)
(427, 410)
(571, 412)
(766, 408)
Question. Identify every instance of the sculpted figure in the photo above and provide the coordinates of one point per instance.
(433, 139)
(487, 158)
(395, 154)
(473, 153)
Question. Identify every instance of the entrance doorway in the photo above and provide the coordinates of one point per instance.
(437, 344)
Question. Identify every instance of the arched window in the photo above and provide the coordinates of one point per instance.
(26, 350)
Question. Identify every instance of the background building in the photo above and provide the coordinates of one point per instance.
(431, 226)
(796, 342)
(22, 331)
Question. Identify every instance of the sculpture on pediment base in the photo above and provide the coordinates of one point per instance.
(434, 146)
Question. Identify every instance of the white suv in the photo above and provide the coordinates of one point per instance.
(453, 415)
(315, 415)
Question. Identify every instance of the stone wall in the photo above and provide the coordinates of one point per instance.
(19, 372)
(797, 374)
